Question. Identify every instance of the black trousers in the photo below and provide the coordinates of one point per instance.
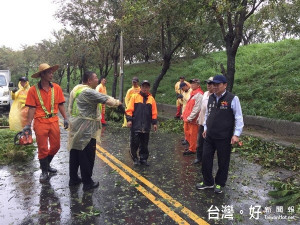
(200, 142)
(139, 140)
(223, 148)
(85, 159)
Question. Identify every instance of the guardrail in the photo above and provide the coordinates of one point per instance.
(282, 127)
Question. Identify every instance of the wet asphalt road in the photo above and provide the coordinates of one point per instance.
(163, 193)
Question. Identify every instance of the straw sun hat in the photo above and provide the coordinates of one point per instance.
(44, 67)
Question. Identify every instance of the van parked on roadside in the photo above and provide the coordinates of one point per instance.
(5, 84)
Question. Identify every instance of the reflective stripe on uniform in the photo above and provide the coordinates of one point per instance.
(48, 115)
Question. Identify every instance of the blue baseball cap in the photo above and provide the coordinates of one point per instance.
(219, 79)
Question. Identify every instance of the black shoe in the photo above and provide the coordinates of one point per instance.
(218, 189)
(90, 186)
(177, 117)
(74, 183)
(136, 162)
(188, 152)
(197, 161)
(51, 170)
(202, 186)
(44, 177)
(144, 162)
(184, 142)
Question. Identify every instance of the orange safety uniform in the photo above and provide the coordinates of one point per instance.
(46, 127)
(190, 116)
(102, 89)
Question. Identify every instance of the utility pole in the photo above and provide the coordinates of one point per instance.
(121, 69)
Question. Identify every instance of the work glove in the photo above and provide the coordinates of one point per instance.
(180, 96)
(14, 90)
(27, 128)
(121, 109)
(66, 123)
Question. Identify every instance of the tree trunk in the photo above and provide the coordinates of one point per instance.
(166, 66)
(230, 68)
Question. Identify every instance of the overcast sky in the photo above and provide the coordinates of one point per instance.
(26, 22)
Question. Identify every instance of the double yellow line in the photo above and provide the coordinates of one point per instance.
(105, 156)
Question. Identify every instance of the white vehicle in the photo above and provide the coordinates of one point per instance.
(5, 97)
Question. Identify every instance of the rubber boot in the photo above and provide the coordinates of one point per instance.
(44, 166)
(177, 116)
(50, 169)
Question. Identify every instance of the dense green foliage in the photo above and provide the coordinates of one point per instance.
(267, 77)
(268, 154)
(286, 193)
(13, 153)
(171, 125)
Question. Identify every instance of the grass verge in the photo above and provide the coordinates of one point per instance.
(13, 153)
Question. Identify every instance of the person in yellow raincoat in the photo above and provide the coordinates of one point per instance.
(18, 112)
(133, 90)
(102, 89)
(178, 92)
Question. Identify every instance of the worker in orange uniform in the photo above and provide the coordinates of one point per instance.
(19, 112)
(102, 89)
(141, 112)
(133, 90)
(44, 100)
(178, 92)
(183, 99)
(190, 116)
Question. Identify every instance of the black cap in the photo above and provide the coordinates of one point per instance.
(195, 81)
(182, 77)
(145, 82)
(135, 79)
(23, 79)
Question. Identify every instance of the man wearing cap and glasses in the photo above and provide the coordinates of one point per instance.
(223, 125)
(44, 100)
(141, 112)
(133, 90)
(178, 92)
(190, 115)
(200, 120)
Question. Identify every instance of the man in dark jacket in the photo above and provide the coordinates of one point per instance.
(141, 112)
(223, 125)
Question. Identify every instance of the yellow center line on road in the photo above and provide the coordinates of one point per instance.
(150, 196)
(160, 192)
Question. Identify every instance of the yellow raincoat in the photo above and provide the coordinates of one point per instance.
(85, 115)
(18, 111)
(129, 93)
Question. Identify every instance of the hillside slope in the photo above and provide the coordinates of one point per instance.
(267, 78)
